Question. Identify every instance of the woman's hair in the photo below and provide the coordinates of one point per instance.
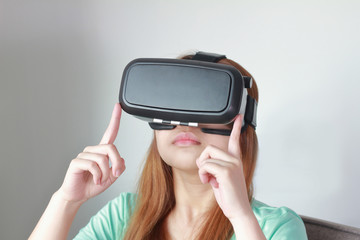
(156, 196)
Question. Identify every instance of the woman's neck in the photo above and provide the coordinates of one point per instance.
(193, 198)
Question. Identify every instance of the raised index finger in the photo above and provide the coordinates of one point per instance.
(234, 141)
(113, 128)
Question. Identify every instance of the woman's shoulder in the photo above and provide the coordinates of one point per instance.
(265, 211)
(124, 199)
(112, 220)
(122, 205)
(278, 222)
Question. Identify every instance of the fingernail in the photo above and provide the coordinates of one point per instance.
(117, 174)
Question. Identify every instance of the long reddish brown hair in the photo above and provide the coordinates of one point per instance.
(156, 196)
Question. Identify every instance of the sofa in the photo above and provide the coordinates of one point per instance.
(318, 229)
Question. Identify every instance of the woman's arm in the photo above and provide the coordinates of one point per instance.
(56, 219)
(87, 176)
(247, 227)
(224, 171)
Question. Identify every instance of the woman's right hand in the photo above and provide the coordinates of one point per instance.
(89, 174)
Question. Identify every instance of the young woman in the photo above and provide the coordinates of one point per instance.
(194, 185)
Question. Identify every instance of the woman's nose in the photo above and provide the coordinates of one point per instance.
(187, 128)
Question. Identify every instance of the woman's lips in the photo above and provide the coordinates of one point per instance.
(186, 139)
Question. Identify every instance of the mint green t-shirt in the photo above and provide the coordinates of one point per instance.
(112, 220)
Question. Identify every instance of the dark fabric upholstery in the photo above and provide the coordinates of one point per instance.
(318, 229)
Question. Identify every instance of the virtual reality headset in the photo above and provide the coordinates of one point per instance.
(189, 92)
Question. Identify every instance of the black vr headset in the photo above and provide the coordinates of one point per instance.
(189, 92)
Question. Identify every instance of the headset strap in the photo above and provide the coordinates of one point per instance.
(208, 57)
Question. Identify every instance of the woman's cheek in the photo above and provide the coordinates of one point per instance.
(218, 141)
(159, 136)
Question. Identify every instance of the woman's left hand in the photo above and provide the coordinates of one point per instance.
(224, 171)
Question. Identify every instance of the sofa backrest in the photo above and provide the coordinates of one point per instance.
(318, 229)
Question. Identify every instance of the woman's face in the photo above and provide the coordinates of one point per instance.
(181, 146)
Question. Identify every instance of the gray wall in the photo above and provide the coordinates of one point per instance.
(60, 68)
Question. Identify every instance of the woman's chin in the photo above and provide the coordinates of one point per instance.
(185, 163)
(186, 170)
